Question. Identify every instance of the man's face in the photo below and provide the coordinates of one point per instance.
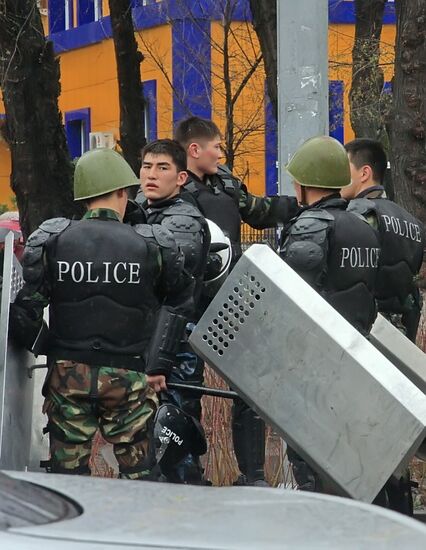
(206, 155)
(160, 178)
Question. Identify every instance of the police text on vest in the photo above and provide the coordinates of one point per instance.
(360, 257)
(402, 228)
(107, 272)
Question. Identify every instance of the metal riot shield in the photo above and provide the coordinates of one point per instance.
(405, 355)
(333, 397)
(16, 388)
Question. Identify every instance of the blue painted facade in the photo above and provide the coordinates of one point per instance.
(191, 65)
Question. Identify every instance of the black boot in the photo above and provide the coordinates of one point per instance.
(248, 433)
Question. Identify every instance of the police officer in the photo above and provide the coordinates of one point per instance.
(163, 173)
(402, 236)
(116, 296)
(225, 200)
(402, 240)
(335, 251)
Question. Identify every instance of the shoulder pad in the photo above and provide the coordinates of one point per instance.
(309, 225)
(317, 214)
(163, 236)
(361, 206)
(227, 177)
(304, 255)
(32, 255)
(181, 224)
(55, 225)
(182, 208)
(224, 169)
(38, 238)
(144, 230)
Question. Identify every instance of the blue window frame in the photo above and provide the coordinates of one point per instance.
(336, 109)
(150, 96)
(60, 14)
(271, 148)
(343, 11)
(77, 129)
(89, 11)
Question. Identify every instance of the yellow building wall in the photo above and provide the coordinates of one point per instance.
(88, 79)
(340, 44)
(249, 110)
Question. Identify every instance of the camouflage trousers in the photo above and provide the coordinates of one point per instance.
(82, 399)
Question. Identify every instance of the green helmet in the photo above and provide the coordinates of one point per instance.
(321, 161)
(101, 171)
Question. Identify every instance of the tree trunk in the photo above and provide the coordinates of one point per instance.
(265, 24)
(408, 159)
(367, 76)
(29, 76)
(132, 104)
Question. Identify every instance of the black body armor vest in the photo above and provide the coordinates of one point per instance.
(402, 243)
(337, 253)
(218, 201)
(103, 293)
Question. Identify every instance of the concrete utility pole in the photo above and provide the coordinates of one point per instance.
(302, 77)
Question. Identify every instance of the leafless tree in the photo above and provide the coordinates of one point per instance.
(367, 75)
(264, 14)
(238, 60)
(409, 107)
(128, 58)
(30, 81)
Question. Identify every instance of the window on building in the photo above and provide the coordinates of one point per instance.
(77, 129)
(150, 96)
(89, 11)
(61, 15)
(336, 109)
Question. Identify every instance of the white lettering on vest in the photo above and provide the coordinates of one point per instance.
(357, 257)
(73, 272)
(89, 274)
(405, 229)
(106, 273)
(134, 273)
(115, 273)
(63, 267)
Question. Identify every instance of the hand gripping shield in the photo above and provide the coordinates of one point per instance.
(352, 415)
(16, 388)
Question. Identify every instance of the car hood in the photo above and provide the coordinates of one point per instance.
(133, 515)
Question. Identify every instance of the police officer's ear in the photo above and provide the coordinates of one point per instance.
(194, 150)
(182, 176)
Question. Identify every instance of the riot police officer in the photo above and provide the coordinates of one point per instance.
(402, 236)
(117, 296)
(225, 200)
(335, 251)
(163, 173)
(402, 240)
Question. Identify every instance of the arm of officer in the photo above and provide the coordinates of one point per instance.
(26, 323)
(305, 250)
(262, 212)
(177, 288)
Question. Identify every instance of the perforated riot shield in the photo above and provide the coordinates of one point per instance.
(351, 414)
(16, 388)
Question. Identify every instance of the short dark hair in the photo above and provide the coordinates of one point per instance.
(195, 128)
(364, 151)
(168, 147)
